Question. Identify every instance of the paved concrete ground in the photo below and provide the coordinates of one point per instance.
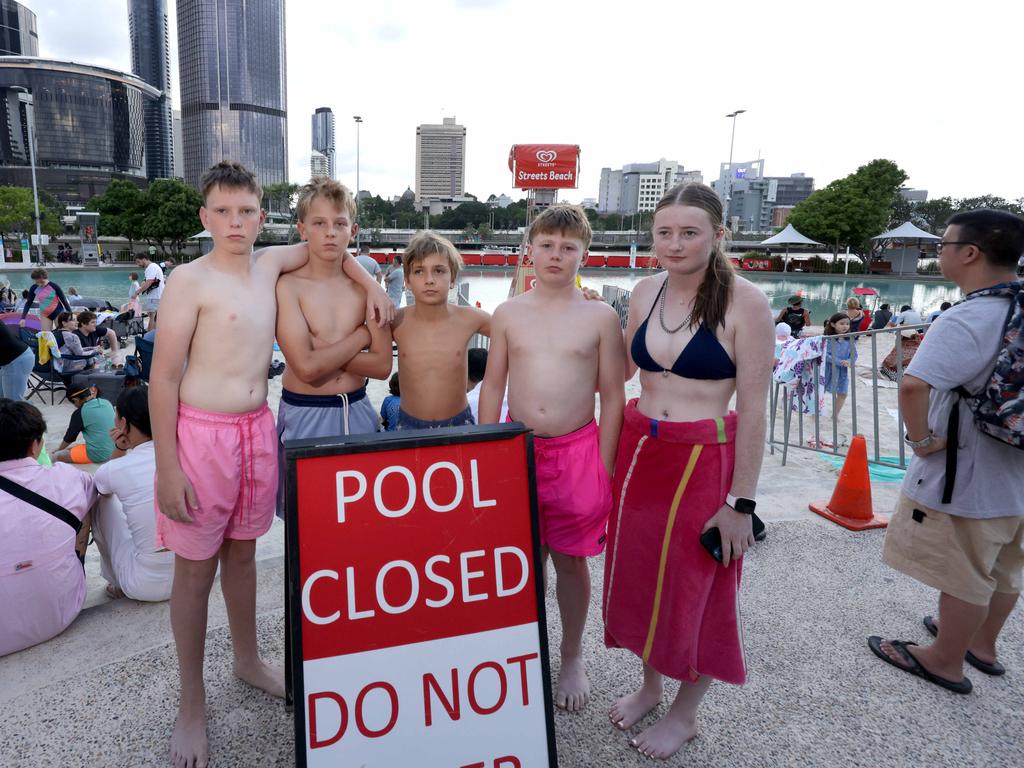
(104, 693)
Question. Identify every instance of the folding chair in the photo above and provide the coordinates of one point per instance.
(45, 377)
(144, 351)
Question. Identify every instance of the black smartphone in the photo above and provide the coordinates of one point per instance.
(711, 539)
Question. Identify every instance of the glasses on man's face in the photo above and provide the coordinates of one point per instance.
(941, 245)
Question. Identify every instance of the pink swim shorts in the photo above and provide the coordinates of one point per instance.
(231, 461)
(574, 494)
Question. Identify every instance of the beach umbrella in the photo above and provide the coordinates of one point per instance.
(789, 236)
(906, 233)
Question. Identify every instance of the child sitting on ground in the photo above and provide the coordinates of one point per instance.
(93, 418)
(124, 521)
(556, 349)
(839, 356)
(389, 408)
(432, 336)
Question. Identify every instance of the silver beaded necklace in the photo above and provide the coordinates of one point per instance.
(661, 315)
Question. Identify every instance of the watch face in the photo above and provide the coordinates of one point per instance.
(746, 506)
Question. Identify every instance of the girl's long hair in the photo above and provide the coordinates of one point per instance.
(830, 324)
(713, 295)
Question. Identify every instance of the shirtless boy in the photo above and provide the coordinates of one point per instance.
(432, 337)
(215, 443)
(320, 328)
(556, 349)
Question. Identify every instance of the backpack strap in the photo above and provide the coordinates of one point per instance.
(48, 506)
(953, 443)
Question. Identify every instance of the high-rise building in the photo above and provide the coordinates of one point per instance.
(323, 139)
(638, 187)
(440, 160)
(179, 155)
(231, 56)
(18, 36)
(151, 61)
(754, 196)
(319, 164)
(88, 126)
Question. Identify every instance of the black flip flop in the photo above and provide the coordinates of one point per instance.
(995, 669)
(913, 666)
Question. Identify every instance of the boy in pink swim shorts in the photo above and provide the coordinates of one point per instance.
(214, 436)
(556, 348)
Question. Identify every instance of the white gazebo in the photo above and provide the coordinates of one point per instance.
(205, 241)
(902, 246)
(787, 237)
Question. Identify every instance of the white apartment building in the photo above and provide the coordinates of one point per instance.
(319, 164)
(440, 160)
(639, 186)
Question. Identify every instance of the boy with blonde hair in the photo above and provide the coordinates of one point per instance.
(320, 327)
(214, 438)
(432, 337)
(556, 348)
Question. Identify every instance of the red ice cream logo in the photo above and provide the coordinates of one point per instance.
(546, 155)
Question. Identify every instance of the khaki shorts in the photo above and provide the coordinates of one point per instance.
(964, 557)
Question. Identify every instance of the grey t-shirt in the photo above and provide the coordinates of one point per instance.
(395, 282)
(369, 264)
(960, 350)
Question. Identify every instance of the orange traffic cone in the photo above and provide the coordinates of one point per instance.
(850, 505)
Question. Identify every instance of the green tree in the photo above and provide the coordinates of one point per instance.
(851, 210)
(280, 198)
(902, 211)
(934, 213)
(122, 210)
(171, 214)
(989, 201)
(17, 214)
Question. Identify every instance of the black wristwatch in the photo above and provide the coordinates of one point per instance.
(741, 505)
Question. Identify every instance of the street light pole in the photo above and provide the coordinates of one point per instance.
(359, 121)
(30, 118)
(728, 192)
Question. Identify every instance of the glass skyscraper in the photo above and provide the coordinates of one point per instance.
(151, 61)
(88, 125)
(323, 138)
(231, 57)
(18, 36)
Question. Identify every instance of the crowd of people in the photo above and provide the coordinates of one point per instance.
(839, 354)
(644, 483)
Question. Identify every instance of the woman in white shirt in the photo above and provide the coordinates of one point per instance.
(124, 522)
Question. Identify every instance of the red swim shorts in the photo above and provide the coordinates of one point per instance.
(231, 461)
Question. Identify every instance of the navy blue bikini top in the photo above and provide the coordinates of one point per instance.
(703, 357)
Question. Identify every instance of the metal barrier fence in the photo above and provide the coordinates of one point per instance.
(808, 414)
(886, 446)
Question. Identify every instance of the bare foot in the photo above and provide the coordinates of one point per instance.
(573, 690)
(665, 737)
(262, 675)
(114, 593)
(189, 748)
(630, 710)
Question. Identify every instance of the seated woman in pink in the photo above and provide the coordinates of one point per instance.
(42, 582)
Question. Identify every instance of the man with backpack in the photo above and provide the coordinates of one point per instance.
(959, 524)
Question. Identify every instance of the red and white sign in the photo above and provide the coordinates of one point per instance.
(416, 618)
(544, 166)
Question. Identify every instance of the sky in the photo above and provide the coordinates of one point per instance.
(827, 87)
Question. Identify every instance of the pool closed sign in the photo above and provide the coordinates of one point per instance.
(416, 610)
